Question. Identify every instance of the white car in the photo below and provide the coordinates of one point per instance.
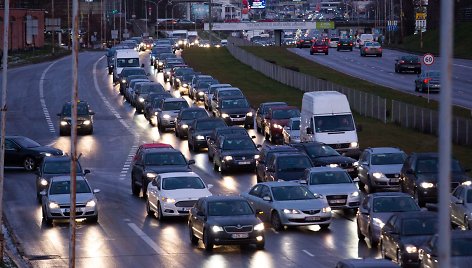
(291, 132)
(174, 194)
(333, 42)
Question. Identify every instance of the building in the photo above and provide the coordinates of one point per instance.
(26, 28)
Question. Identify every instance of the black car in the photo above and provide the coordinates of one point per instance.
(235, 111)
(148, 163)
(183, 83)
(201, 88)
(262, 111)
(235, 152)
(404, 233)
(200, 129)
(408, 63)
(151, 104)
(84, 118)
(127, 71)
(185, 118)
(429, 81)
(51, 167)
(212, 140)
(287, 166)
(24, 152)
(131, 77)
(156, 50)
(419, 177)
(304, 42)
(266, 153)
(159, 61)
(225, 220)
(345, 44)
(178, 74)
(461, 250)
(142, 90)
(323, 155)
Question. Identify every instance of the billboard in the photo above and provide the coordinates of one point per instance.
(257, 4)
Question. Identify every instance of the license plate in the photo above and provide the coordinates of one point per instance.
(67, 210)
(244, 163)
(394, 180)
(238, 119)
(312, 218)
(244, 235)
(339, 201)
(184, 209)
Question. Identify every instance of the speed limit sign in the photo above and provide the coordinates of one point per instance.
(428, 59)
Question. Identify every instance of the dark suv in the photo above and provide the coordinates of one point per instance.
(235, 152)
(287, 166)
(419, 176)
(84, 118)
(265, 155)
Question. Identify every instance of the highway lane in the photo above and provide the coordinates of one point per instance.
(381, 70)
(125, 236)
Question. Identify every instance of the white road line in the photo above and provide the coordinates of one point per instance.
(146, 238)
(460, 65)
(308, 253)
(43, 102)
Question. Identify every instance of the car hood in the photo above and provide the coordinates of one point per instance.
(186, 121)
(235, 110)
(202, 132)
(64, 199)
(239, 152)
(386, 169)
(334, 189)
(433, 177)
(415, 240)
(337, 159)
(170, 168)
(186, 194)
(384, 216)
(47, 149)
(233, 220)
(300, 204)
(50, 175)
(282, 122)
(290, 175)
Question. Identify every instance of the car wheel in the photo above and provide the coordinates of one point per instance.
(324, 227)
(193, 238)
(361, 185)
(61, 132)
(148, 208)
(311, 53)
(135, 188)
(326, 53)
(46, 219)
(29, 163)
(215, 166)
(159, 214)
(370, 187)
(260, 245)
(373, 240)
(276, 222)
(359, 232)
(258, 178)
(207, 241)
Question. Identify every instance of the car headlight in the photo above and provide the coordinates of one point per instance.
(377, 175)
(256, 156)
(141, 99)
(151, 175)
(225, 115)
(177, 80)
(123, 81)
(411, 249)
(87, 122)
(217, 229)
(155, 113)
(184, 126)
(168, 73)
(53, 205)
(228, 158)
(467, 183)
(426, 185)
(166, 116)
(354, 144)
(378, 222)
(181, 42)
(333, 165)
(259, 227)
(326, 209)
(277, 126)
(196, 42)
(161, 63)
(249, 114)
(63, 123)
(168, 200)
(185, 85)
(201, 93)
(45, 154)
(43, 182)
(200, 137)
(91, 203)
(355, 194)
(291, 211)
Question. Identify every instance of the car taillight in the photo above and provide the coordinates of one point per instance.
(380, 48)
(350, 44)
(402, 61)
(339, 44)
(426, 80)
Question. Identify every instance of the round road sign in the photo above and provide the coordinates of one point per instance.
(428, 59)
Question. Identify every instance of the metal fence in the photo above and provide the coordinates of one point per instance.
(366, 104)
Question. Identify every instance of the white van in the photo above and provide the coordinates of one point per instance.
(326, 117)
(365, 38)
(124, 58)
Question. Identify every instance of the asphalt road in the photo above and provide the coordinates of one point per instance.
(381, 71)
(125, 236)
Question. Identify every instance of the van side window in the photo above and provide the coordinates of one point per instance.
(312, 126)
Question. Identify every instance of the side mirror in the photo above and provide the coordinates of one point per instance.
(191, 162)
(86, 171)
(210, 186)
(96, 191)
(154, 183)
(303, 181)
(309, 130)
(267, 198)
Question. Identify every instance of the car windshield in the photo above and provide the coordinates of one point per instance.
(182, 71)
(164, 159)
(182, 183)
(133, 71)
(286, 193)
(82, 109)
(320, 43)
(334, 39)
(293, 163)
(330, 177)
(188, 76)
(238, 144)
(295, 125)
(394, 204)
(318, 150)
(285, 114)
(59, 167)
(412, 59)
(388, 159)
(210, 124)
(130, 62)
(238, 130)
(461, 246)
(26, 142)
(229, 208)
(334, 123)
(63, 187)
(174, 105)
(194, 114)
(225, 93)
(234, 103)
(147, 88)
(419, 226)
(430, 165)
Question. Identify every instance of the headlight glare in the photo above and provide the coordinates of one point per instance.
(53, 205)
(355, 194)
(326, 209)
(354, 144)
(200, 137)
(377, 175)
(378, 222)
(184, 126)
(91, 203)
(43, 182)
(166, 116)
(426, 185)
(151, 175)
(467, 183)
(333, 165)
(225, 115)
(259, 227)
(217, 229)
(87, 122)
(228, 158)
(63, 123)
(411, 249)
(291, 211)
(249, 114)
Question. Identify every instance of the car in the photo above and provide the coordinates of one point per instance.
(168, 110)
(335, 184)
(276, 119)
(288, 204)
(173, 70)
(235, 111)
(84, 118)
(420, 173)
(142, 90)
(223, 220)
(161, 58)
(265, 154)
(185, 118)
(196, 78)
(403, 233)
(151, 104)
(131, 78)
(291, 132)
(319, 46)
(56, 203)
(262, 111)
(202, 88)
(200, 129)
(183, 83)
(364, 38)
(429, 81)
(173, 194)
(461, 204)
(213, 138)
(345, 44)
(324, 155)
(371, 48)
(158, 49)
(333, 42)
(177, 76)
(149, 163)
(461, 253)
(24, 152)
(224, 93)
(127, 71)
(379, 168)
(209, 95)
(235, 152)
(377, 208)
(286, 166)
(53, 166)
(366, 263)
(304, 42)
(110, 54)
(129, 92)
(169, 65)
(408, 63)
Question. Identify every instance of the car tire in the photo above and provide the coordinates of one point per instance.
(61, 132)
(360, 236)
(361, 185)
(135, 189)
(46, 219)
(29, 164)
(370, 187)
(159, 214)
(206, 241)
(326, 53)
(215, 166)
(148, 208)
(276, 222)
(193, 238)
(258, 178)
(467, 224)
(421, 203)
(373, 241)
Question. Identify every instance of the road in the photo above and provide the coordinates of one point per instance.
(125, 236)
(381, 71)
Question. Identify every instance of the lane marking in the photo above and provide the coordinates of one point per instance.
(43, 101)
(308, 253)
(146, 239)
(464, 66)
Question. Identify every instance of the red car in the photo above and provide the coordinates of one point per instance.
(319, 46)
(276, 119)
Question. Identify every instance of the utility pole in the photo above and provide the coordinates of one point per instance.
(53, 28)
(69, 28)
(209, 21)
(3, 110)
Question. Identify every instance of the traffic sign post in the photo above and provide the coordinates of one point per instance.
(428, 60)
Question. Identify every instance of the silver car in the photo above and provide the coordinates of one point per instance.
(291, 132)
(288, 203)
(461, 206)
(56, 200)
(167, 112)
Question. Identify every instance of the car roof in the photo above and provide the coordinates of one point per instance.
(309, 143)
(280, 183)
(416, 214)
(384, 150)
(155, 145)
(325, 169)
(426, 154)
(294, 153)
(461, 234)
(162, 150)
(66, 178)
(270, 147)
(381, 194)
(224, 198)
(56, 158)
(189, 109)
(178, 174)
(273, 103)
(198, 120)
(283, 108)
(232, 98)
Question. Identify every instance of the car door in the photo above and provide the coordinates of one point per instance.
(201, 217)
(12, 155)
(388, 237)
(137, 171)
(363, 215)
(363, 168)
(266, 205)
(270, 171)
(408, 175)
(260, 164)
(455, 199)
(253, 196)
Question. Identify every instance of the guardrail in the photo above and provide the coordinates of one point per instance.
(364, 103)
